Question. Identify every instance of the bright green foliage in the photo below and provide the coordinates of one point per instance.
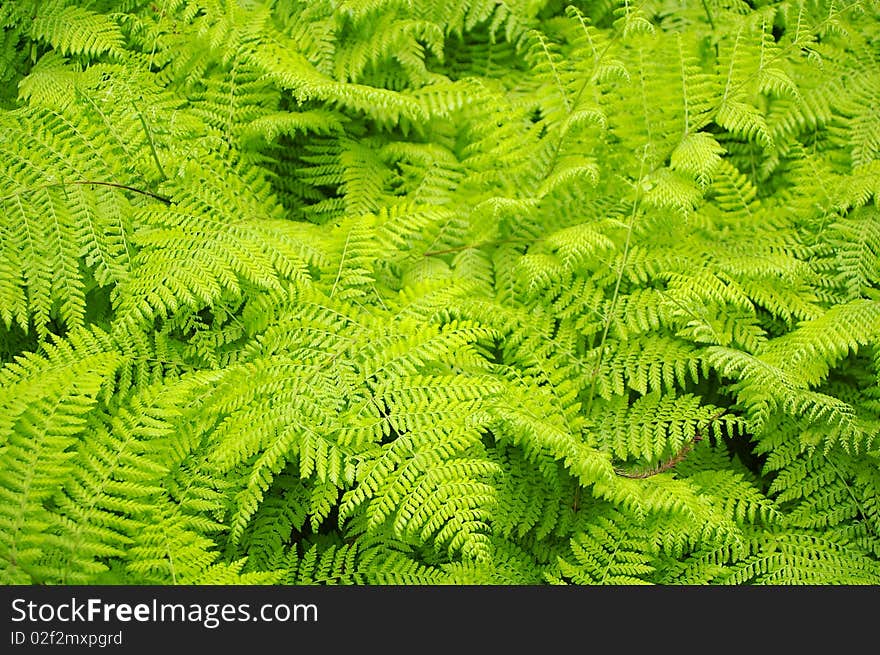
(386, 292)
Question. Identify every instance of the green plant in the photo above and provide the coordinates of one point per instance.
(399, 291)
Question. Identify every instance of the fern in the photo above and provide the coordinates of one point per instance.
(475, 292)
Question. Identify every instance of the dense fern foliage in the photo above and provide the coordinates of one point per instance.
(420, 292)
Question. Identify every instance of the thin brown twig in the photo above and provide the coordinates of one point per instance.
(675, 459)
(150, 194)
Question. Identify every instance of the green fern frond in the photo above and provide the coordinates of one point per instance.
(45, 412)
(244, 244)
(70, 29)
(801, 558)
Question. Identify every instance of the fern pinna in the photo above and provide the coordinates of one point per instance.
(390, 292)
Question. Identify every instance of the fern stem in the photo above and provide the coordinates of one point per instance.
(468, 246)
(341, 263)
(149, 194)
(708, 15)
(150, 140)
(676, 459)
(684, 92)
(170, 553)
(614, 296)
(851, 493)
(660, 468)
(607, 570)
(156, 39)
